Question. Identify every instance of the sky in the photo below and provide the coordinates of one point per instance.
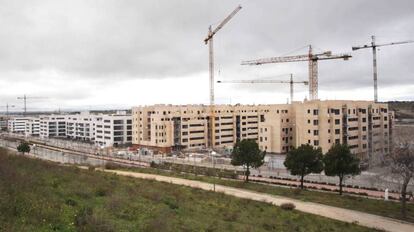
(101, 54)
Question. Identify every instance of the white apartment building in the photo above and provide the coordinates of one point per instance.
(113, 130)
(52, 126)
(17, 124)
(103, 130)
(81, 126)
(32, 127)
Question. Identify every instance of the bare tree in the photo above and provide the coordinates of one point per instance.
(401, 160)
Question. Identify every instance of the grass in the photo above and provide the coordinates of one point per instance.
(42, 196)
(373, 206)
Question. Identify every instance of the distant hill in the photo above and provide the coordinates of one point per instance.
(403, 109)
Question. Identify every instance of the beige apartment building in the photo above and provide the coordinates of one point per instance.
(363, 125)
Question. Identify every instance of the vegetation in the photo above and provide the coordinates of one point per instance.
(247, 153)
(60, 198)
(401, 162)
(379, 207)
(340, 162)
(23, 147)
(304, 160)
(288, 206)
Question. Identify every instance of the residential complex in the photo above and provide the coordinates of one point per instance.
(363, 125)
(100, 129)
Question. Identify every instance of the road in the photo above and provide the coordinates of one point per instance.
(345, 215)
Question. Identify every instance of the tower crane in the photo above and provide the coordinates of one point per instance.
(7, 108)
(24, 98)
(209, 40)
(374, 46)
(291, 82)
(313, 65)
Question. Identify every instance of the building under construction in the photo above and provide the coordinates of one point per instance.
(363, 125)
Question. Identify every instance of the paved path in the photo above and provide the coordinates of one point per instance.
(345, 215)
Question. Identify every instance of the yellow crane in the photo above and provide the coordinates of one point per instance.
(291, 82)
(209, 40)
(313, 65)
(374, 46)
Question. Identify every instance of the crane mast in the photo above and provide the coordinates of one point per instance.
(209, 40)
(291, 82)
(374, 46)
(7, 106)
(24, 98)
(312, 66)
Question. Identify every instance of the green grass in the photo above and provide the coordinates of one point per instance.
(42, 196)
(379, 207)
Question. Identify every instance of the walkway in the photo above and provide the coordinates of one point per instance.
(345, 215)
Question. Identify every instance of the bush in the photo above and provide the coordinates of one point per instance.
(288, 206)
(111, 165)
(71, 202)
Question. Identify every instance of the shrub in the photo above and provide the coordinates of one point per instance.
(71, 202)
(288, 206)
(111, 165)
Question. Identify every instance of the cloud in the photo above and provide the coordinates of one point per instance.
(70, 50)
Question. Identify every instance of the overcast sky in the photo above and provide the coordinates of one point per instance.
(107, 54)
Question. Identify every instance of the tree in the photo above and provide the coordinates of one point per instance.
(247, 153)
(304, 160)
(23, 147)
(401, 161)
(339, 161)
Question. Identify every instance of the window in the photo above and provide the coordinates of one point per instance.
(316, 142)
(315, 132)
(337, 121)
(315, 112)
(337, 141)
(315, 122)
(309, 131)
(337, 131)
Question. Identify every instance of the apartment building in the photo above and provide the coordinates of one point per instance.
(32, 127)
(277, 128)
(3, 122)
(52, 126)
(17, 124)
(81, 126)
(363, 125)
(113, 130)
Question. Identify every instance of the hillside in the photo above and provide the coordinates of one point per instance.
(43, 196)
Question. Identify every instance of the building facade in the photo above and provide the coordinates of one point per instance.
(53, 126)
(113, 130)
(363, 125)
(17, 124)
(100, 129)
(32, 127)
